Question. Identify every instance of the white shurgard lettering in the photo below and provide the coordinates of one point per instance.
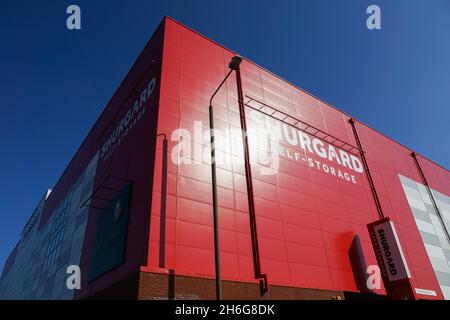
(290, 138)
(332, 154)
(345, 159)
(345, 163)
(133, 114)
(357, 165)
(321, 152)
(305, 141)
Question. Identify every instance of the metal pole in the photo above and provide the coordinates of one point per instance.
(366, 168)
(215, 206)
(248, 178)
(214, 193)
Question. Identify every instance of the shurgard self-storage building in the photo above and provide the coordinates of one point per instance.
(311, 204)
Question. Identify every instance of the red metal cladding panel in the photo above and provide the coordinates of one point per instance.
(437, 177)
(307, 213)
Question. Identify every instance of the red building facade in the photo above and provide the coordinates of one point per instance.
(308, 209)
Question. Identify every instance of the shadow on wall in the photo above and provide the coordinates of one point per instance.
(359, 268)
(162, 226)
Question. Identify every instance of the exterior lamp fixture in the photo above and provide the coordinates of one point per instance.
(233, 65)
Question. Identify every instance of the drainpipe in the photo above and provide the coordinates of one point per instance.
(366, 168)
(264, 286)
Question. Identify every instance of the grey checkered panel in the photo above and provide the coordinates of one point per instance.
(431, 228)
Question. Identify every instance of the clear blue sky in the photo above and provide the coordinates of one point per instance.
(54, 83)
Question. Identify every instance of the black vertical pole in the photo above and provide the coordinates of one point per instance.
(214, 191)
(215, 206)
(250, 197)
(366, 168)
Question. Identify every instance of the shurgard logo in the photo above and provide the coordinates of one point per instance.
(133, 115)
(269, 140)
(297, 145)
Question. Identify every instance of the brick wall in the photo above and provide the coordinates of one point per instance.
(170, 286)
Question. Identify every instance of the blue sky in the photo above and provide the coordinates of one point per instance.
(54, 82)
